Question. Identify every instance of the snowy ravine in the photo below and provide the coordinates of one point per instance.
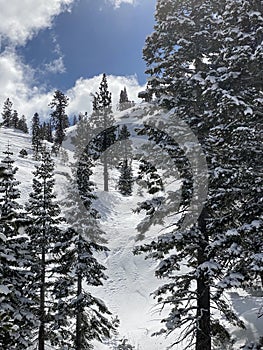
(131, 278)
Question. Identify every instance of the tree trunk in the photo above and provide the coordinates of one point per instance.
(203, 333)
(105, 172)
(261, 277)
(41, 334)
(79, 315)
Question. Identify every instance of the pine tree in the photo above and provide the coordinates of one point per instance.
(23, 153)
(36, 135)
(46, 131)
(102, 120)
(17, 297)
(83, 135)
(49, 134)
(7, 113)
(22, 124)
(125, 154)
(238, 96)
(45, 235)
(197, 56)
(14, 119)
(125, 144)
(75, 120)
(90, 313)
(126, 179)
(124, 102)
(58, 116)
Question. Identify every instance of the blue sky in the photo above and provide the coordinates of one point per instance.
(93, 38)
(67, 45)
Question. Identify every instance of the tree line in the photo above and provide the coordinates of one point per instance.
(47, 258)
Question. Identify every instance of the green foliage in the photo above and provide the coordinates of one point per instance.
(126, 179)
(58, 116)
(204, 59)
(7, 113)
(17, 295)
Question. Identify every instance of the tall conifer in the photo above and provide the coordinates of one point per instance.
(197, 56)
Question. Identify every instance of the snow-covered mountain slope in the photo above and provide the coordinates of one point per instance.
(131, 280)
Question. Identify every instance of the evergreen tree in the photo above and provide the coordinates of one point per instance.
(125, 144)
(36, 135)
(45, 235)
(7, 113)
(101, 121)
(46, 131)
(126, 179)
(58, 116)
(23, 153)
(90, 313)
(197, 56)
(16, 282)
(75, 120)
(83, 135)
(22, 124)
(124, 345)
(149, 178)
(238, 97)
(124, 102)
(123, 96)
(125, 154)
(14, 119)
(49, 135)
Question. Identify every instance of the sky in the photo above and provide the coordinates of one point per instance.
(67, 44)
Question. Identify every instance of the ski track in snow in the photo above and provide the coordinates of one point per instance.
(131, 278)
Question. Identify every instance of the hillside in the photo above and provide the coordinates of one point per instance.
(131, 280)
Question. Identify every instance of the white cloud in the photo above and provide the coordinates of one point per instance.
(80, 94)
(117, 3)
(17, 83)
(21, 20)
(56, 66)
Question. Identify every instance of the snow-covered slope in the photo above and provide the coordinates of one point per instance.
(131, 279)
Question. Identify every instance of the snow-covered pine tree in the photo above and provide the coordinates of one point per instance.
(46, 131)
(123, 345)
(124, 102)
(36, 136)
(22, 124)
(14, 119)
(197, 56)
(124, 147)
(126, 178)
(7, 113)
(83, 135)
(17, 296)
(92, 317)
(237, 89)
(101, 121)
(45, 236)
(149, 178)
(125, 144)
(58, 116)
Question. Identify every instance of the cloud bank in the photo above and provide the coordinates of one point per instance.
(16, 83)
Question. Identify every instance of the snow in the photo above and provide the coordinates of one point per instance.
(131, 279)
(4, 289)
